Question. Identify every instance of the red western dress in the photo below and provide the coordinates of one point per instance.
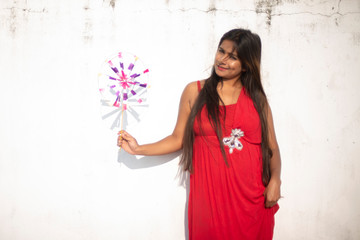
(227, 202)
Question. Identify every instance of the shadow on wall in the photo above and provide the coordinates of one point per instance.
(152, 161)
(145, 162)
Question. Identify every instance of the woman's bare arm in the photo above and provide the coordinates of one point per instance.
(272, 192)
(171, 143)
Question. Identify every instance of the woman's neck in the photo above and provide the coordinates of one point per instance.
(229, 91)
(233, 83)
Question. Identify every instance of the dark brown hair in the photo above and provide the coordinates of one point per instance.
(248, 48)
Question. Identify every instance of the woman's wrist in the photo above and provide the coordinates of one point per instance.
(138, 150)
(275, 178)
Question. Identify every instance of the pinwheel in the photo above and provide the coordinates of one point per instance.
(123, 85)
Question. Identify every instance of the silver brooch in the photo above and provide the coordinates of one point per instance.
(234, 140)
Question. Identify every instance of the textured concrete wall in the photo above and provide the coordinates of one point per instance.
(61, 176)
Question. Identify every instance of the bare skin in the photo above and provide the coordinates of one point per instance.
(228, 66)
(272, 192)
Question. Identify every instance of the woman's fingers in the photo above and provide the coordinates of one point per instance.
(120, 138)
(270, 204)
(127, 142)
(125, 135)
(272, 194)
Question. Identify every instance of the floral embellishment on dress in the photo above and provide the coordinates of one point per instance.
(234, 140)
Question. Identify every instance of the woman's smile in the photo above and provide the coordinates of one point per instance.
(223, 66)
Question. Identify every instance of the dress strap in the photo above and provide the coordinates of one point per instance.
(199, 85)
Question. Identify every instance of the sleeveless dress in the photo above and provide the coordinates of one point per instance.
(227, 202)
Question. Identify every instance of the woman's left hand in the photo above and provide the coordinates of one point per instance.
(272, 192)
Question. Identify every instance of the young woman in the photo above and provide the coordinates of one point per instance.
(226, 131)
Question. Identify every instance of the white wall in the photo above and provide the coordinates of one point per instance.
(61, 176)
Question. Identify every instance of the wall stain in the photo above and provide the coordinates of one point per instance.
(18, 16)
(356, 38)
(87, 33)
(291, 1)
(211, 9)
(212, 6)
(267, 7)
(13, 18)
(112, 3)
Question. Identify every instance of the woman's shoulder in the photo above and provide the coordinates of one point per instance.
(194, 86)
(192, 90)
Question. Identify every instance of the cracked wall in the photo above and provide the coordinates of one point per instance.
(60, 172)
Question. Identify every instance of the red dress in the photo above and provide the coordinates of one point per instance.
(227, 202)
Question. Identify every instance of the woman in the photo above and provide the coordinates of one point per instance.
(226, 131)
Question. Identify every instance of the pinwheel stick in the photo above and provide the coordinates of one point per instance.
(122, 120)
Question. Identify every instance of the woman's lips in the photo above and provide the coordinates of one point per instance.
(221, 68)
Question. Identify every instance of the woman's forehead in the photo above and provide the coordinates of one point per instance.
(228, 46)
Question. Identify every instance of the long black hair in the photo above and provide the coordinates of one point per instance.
(248, 48)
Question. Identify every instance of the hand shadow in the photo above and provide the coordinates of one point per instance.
(151, 161)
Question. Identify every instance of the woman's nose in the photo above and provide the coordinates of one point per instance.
(224, 58)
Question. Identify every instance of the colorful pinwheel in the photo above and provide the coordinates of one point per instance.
(123, 84)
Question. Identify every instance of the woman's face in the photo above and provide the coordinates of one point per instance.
(227, 64)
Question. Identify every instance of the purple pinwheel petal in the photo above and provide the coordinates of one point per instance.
(111, 78)
(135, 75)
(133, 92)
(117, 99)
(143, 85)
(115, 69)
(122, 65)
(131, 66)
(112, 86)
(125, 96)
(118, 94)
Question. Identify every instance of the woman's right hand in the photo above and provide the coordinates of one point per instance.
(127, 142)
